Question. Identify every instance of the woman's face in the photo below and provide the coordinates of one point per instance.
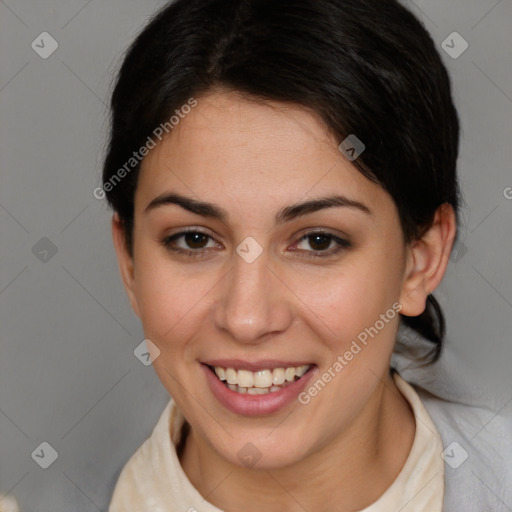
(269, 278)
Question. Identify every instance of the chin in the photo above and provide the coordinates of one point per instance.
(261, 452)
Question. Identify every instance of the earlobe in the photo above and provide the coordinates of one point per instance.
(125, 261)
(427, 260)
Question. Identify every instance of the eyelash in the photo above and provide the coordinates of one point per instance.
(341, 244)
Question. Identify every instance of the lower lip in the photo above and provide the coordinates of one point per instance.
(255, 405)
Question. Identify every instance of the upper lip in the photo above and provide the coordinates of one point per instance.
(254, 366)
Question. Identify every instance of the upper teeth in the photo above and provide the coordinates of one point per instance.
(262, 378)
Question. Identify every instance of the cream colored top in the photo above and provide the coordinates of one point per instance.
(8, 503)
(154, 481)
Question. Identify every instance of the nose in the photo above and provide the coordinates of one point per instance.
(253, 301)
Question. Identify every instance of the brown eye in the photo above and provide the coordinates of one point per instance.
(194, 243)
(196, 240)
(321, 244)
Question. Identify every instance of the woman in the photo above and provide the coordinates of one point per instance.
(283, 180)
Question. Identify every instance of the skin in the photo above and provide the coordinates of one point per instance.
(343, 449)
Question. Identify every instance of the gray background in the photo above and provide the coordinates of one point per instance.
(68, 374)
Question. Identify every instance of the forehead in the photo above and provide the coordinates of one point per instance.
(242, 151)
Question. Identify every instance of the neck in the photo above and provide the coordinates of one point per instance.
(349, 473)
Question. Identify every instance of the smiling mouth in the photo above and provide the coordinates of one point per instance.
(260, 382)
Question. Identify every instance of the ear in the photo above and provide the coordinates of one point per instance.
(427, 259)
(125, 261)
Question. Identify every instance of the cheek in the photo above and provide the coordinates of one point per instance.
(170, 300)
(356, 317)
(345, 301)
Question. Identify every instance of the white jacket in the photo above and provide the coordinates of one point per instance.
(473, 421)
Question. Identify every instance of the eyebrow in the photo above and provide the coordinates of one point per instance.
(287, 214)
